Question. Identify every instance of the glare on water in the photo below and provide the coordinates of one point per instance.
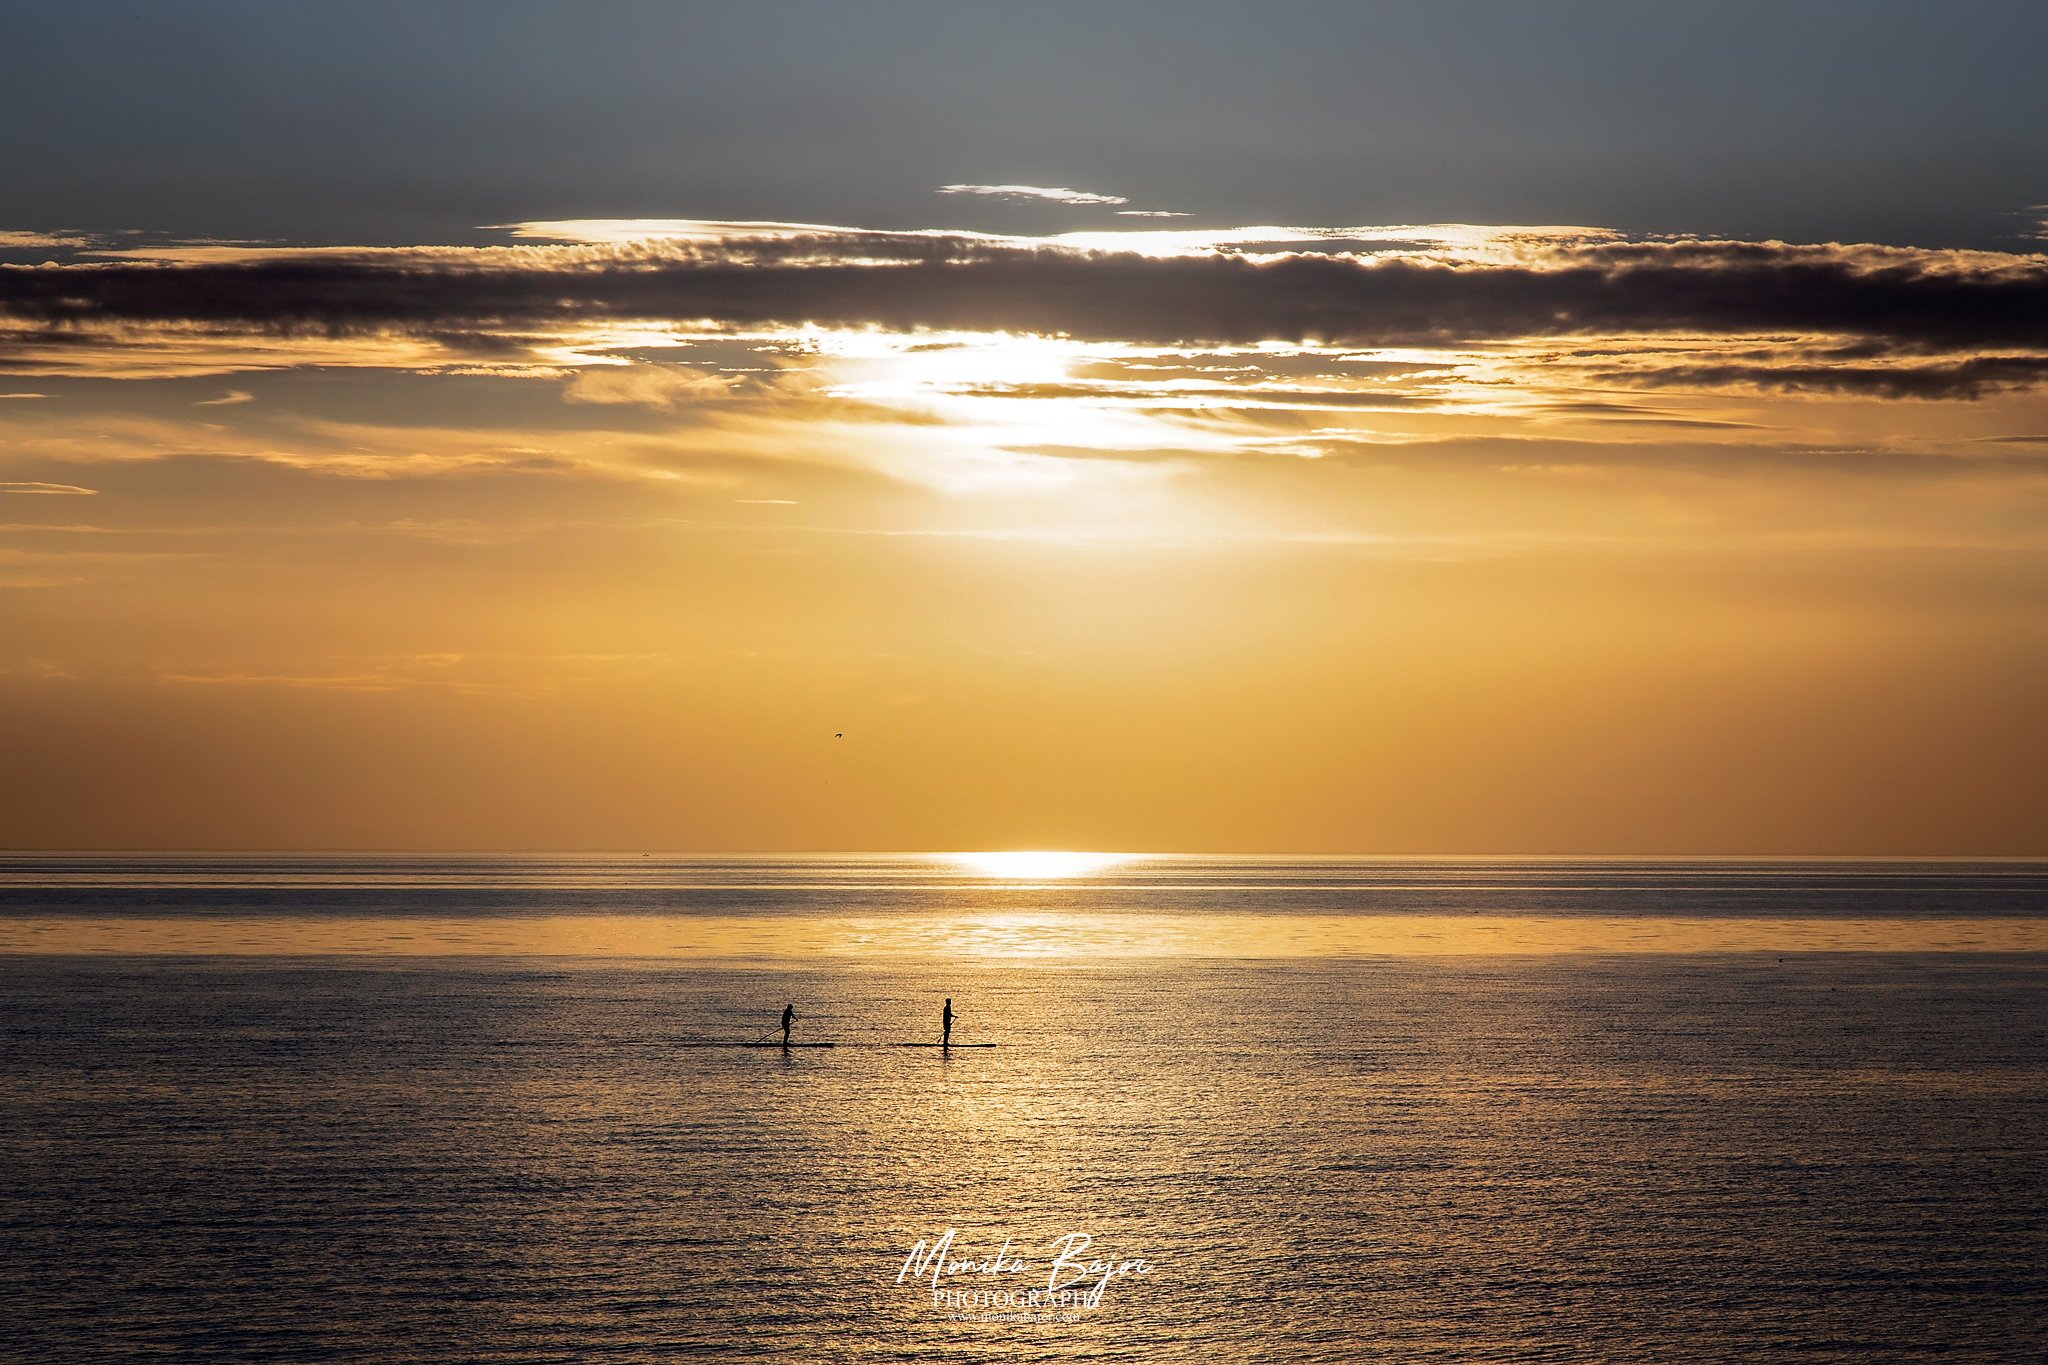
(1038, 864)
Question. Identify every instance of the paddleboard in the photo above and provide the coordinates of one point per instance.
(775, 1045)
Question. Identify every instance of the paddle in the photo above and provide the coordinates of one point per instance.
(776, 1027)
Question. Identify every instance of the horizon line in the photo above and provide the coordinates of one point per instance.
(1133, 854)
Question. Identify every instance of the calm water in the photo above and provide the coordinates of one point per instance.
(365, 1109)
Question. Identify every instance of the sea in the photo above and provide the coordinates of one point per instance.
(411, 1108)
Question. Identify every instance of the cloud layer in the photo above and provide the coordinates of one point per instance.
(1885, 321)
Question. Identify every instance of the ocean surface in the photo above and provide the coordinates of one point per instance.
(392, 1109)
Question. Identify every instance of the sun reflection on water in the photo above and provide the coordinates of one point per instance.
(1037, 864)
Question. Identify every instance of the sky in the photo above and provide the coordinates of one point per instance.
(1436, 428)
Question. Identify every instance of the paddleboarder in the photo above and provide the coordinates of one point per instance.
(946, 1024)
(788, 1018)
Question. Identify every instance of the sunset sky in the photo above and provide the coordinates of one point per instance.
(1491, 428)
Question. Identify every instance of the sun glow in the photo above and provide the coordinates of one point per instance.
(1037, 864)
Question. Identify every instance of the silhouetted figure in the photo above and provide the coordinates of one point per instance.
(946, 1024)
(788, 1018)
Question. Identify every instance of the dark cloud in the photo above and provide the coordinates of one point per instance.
(1876, 301)
(1972, 378)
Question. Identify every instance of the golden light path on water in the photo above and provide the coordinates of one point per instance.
(1047, 937)
(1038, 864)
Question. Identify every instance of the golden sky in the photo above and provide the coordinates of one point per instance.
(1440, 538)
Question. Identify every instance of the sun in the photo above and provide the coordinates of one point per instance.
(1036, 864)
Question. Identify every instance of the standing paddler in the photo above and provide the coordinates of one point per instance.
(788, 1018)
(946, 1024)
